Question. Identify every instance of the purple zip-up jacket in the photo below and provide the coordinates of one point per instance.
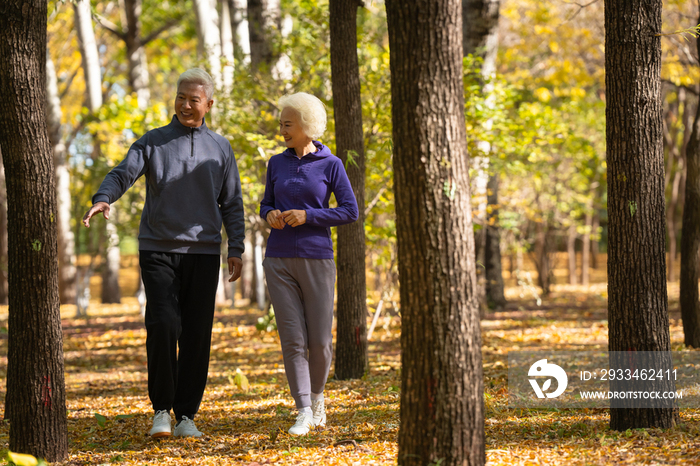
(307, 184)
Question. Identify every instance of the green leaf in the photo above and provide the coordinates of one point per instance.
(101, 420)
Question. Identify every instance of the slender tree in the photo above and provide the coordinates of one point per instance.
(690, 239)
(263, 15)
(351, 346)
(209, 44)
(35, 399)
(637, 303)
(442, 406)
(111, 292)
(66, 239)
(3, 235)
(480, 39)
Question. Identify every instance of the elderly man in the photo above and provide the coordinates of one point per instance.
(192, 186)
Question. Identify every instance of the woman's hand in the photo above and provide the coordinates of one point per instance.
(274, 218)
(294, 218)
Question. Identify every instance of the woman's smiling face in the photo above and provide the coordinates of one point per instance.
(291, 130)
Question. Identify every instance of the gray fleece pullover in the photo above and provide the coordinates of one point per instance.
(192, 186)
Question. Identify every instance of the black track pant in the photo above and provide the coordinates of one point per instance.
(180, 293)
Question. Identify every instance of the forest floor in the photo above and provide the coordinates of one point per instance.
(109, 413)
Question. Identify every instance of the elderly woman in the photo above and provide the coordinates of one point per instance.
(299, 265)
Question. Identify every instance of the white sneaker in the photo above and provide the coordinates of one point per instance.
(318, 408)
(304, 423)
(161, 424)
(186, 428)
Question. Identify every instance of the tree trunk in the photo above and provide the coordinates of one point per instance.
(138, 65)
(3, 235)
(595, 241)
(351, 346)
(480, 38)
(247, 273)
(88, 51)
(226, 46)
(209, 43)
(239, 25)
(495, 297)
(671, 221)
(262, 16)
(35, 380)
(442, 405)
(66, 239)
(480, 31)
(690, 239)
(542, 258)
(111, 292)
(637, 303)
(586, 247)
(571, 254)
(258, 256)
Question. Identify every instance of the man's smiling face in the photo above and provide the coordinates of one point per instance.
(191, 104)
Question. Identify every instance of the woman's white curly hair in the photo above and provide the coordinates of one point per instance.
(312, 112)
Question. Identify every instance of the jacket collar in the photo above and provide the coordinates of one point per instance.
(321, 151)
(182, 129)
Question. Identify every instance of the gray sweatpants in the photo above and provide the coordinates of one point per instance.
(301, 291)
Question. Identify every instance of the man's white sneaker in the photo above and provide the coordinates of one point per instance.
(186, 428)
(161, 424)
(318, 409)
(304, 423)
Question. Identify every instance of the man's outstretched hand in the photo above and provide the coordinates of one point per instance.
(95, 209)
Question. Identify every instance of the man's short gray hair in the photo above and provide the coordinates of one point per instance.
(198, 76)
(312, 112)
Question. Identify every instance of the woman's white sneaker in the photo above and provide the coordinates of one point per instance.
(304, 423)
(318, 410)
(161, 424)
(186, 428)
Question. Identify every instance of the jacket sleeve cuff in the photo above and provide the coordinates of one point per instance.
(234, 252)
(100, 198)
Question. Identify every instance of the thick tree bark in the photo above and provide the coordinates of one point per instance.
(351, 347)
(442, 405)
(35, 380)
(66, 239)
(690, 239)
(637, 303)
(495, 296)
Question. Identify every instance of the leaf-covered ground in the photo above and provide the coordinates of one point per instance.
(106, 375)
